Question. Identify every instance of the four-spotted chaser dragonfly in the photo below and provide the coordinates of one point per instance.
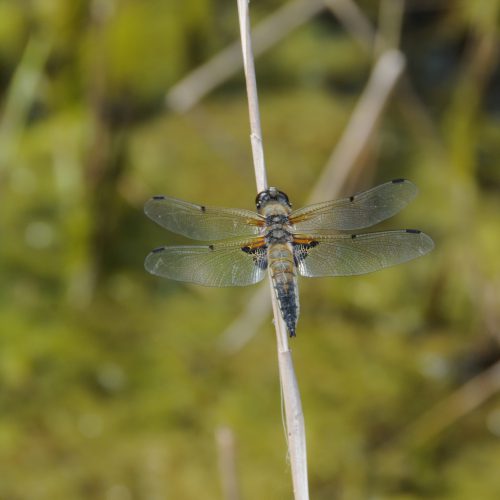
(310, 241)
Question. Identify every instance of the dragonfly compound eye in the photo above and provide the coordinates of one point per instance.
(262, 198)
(271, 194)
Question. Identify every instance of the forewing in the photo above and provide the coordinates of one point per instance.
(200, 222)
(346, 255)
(358, 211)
(226, 263)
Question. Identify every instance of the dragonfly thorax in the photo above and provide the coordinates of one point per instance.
(275, 207)
(278, 235)
(272, 220)
(277, 223)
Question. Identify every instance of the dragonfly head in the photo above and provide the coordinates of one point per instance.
(272, 195)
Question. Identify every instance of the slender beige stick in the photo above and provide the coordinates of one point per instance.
(253, 100)
(294, 417)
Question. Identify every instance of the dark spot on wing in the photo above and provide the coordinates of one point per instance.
(414, 231)
(353, 236)
(398, 181)
(254, 250)
(310, 244)
(158, 197)
(300, 250)
(351, 198)
(258, 254)
(211, 247)
(158, 250)
(203, 208)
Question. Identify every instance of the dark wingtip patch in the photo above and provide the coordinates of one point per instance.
(413, 231)
(211, 247)
(158, 250)
(398, 181)
(353, 236)
(351, 198)
(203, 208)
(158, 197)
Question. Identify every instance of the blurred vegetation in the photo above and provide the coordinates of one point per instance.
(111, 381)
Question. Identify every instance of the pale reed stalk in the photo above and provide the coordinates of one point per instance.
(294, 418)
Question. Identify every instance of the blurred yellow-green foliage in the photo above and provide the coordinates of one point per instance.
(112, 382)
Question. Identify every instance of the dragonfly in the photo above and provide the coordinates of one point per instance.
(314, 241)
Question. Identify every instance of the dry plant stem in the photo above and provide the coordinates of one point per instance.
(294, 417)
(191, 89)
(253, 100)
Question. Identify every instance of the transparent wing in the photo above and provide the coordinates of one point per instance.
(345, 255)
(227, 263)
(358, 211)
(200, 222)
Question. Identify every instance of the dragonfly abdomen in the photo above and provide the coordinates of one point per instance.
(284, 279)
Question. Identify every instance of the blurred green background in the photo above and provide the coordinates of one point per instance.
(113, 382)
